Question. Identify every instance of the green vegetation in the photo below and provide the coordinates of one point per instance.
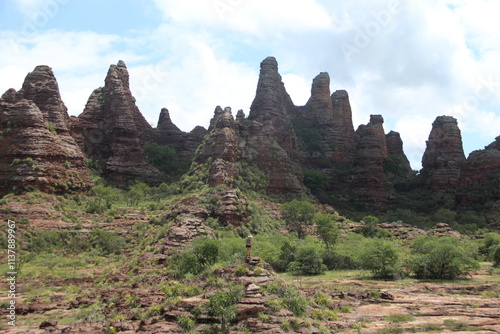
(442, 258)
(222, 305)
(296, 215)
(166, 159)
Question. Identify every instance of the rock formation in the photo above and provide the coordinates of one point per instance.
(113, 131)
(36, 148)
(270, 140)
(444, 156)
(369, 181)
(396, 152)
(220, 149)
(167, 133)
(480, 178)
(324, 126)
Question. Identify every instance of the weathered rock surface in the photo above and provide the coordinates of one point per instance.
(444, 156)
(36, 148)
(270, 140)
(480, 177)
(369, 182)
(185, 143)
(113, 131)
(220, 149)
(395, 150)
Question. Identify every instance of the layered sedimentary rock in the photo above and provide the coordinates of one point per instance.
(324, 126)
(220, 149)
(395, 151)
(480, 178)
(344, 136)
(270, 140)
(185, 143)
(369, 183)
(444, 156)
(113, 131)
(36, 148)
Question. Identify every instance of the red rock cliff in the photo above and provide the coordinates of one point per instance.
(36, 148)
(113, 131)
(444, 156)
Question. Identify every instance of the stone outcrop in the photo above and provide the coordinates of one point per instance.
(270, 140)
(369, 180)
(220, 149)
(324, 126)
(395, 150)
(185, 143)
(444, 156)
(36, 148)
(480, 178)
(113, 131)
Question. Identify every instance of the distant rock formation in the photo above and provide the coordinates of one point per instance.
(113, 131)
(185, 143)
(395, 150)
(324, 126)
(270, 140)
(368, 175)
(444, 156)
(480, 178)
(36, 148)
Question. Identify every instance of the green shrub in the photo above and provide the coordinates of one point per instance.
(381, 258)
(186, 323)
(308, 261)
(107, 242)
(441, 258)
(177, 289)
(207, 251)
(294, 302)
(241, 270)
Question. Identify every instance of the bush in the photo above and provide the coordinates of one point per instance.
(441, 258)
(308, 261)
(207, 251)
(381, 258)
(186, 323)
(107, 242)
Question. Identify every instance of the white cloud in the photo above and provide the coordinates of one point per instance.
(258, 17)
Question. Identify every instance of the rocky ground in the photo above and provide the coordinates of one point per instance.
(133, 293)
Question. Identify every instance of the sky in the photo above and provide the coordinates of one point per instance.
(408, 60)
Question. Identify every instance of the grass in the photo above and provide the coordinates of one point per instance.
(398, 317)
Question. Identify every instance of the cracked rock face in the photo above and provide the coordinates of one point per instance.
(444, 156)
(113, 131)
(480, 177)
(271, 140)
(36, 148)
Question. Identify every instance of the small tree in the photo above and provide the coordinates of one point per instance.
(327, 229)
(297, 214)
(222, 305)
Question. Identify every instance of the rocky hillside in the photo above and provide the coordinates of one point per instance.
(279, 149)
